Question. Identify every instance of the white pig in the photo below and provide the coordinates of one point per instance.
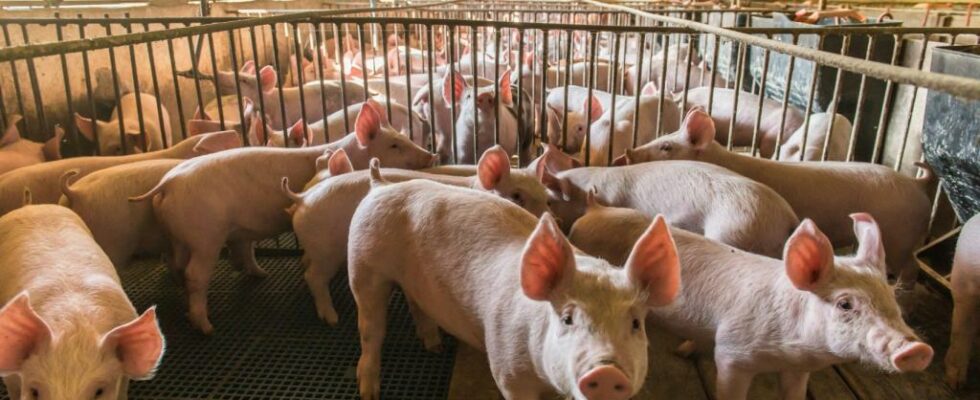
(696, 196)
(825, 191)
(577, 116)
(965, 282)
(234, 197)
(322, 216)
(470, 142)
(69, 331)
(135, 142)
(551, 319)
(16, 152)
(760, 314)
(605, 148)
(122, 228)
(43, 179)
(425, 103)
(748, 108)
(835, 135)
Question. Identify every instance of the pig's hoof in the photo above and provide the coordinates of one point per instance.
(257, 273)
(329, 316)
(436, 348)
(686, 349)
(202, 324)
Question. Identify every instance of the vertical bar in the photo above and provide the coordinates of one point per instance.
(809, 109)
(641, 42)
(194, 60)
(91, 100)
(860, 103)
(832, 110)
(238, 87)
(217, 92)
(64, 74)
(35, 88)
(318, 36)
(568, 76)
(908, 119)
(593, 54)
(115, 88)
(343, 76)
(136, 87)
(543, 116)
(786, 93)
(408, 81)
(762, 94)
(476, 85)
(263, 113)
(176, 82)
(16, 80)
(384, 51)
(156, 89)
(298, 50)
(714, 73)
(282, 99)
(663, 89)
(361, 32)
(453, 31)
(520, 97)
(432, 103)
(496, 88)
(739, 79)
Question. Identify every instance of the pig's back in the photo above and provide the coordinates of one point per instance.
(462, 250)
(42, 179)
(47, 250)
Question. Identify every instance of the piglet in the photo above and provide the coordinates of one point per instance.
(234, 197)
(795, 316)
(120, 227)
(772, 127)
(435, 108)
(965, 281)
(824, 133)
(577, 114)
(612, 133)
(152, 138)
(321, 217)
(43, 179)
(16, 152)
(483, 104)
(68, 330)
(551, 319)
(826, 192)
(696, 196)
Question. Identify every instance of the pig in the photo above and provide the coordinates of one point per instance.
(153, 138)
(842, 308)
(748, 107)
(68, 329)
(121, 228)
(398, 55)
(322, 216)
(16, 152)
(315, 93)
(442, 122)
(550, 318)
(205, 121)
(397, 90)
(836, 136)
(317, 132)
(965, 282)
(470, 142)
(43, 179)
(676, 75)
(698, 197)
(602, 75)
(572, 140)
(242, 202)
(612, 133)
(826, 192)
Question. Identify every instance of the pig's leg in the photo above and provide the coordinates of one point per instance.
(371, 292)
(966, 325)
(177, 263)
(242, 254)
(426, 329)
(123, 389)
(198, 275)
(792, 384)
(323, 266)
(733, 382)
(13, 386)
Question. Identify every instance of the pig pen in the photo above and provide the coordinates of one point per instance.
(269, 343)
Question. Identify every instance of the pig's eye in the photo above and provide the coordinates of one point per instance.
(35, 394)
(845, 304)
(516, 198)
(99, 392)
(394, 146)
(636, 325)
(567, 320)
(665, 147)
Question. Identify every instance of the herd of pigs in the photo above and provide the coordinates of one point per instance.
(550, 267)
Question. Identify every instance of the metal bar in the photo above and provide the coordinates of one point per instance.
(64, 75)
(136, 88)
(786, 93)
(809, 109)
(452, 73)
(214, 67)
(476, 85)
(319, 50)
(91, 100)
(299, 84)
(762, 94)
(238, 87)
(263, 113)
(860, 103)
(834, 99)
(176, 82)
(593, 51)
(284, 124)
(115, 87)
(432, 103)
(16, 80)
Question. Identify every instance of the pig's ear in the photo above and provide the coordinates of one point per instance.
(453, 83)
(11, 134)
(339, 163)
(268, 78)
(506, 95)
(554, 122)
(591, 200)
(559, 186)
(199, 126)
(22, 331)
(547, 262)
(257, 134)
(699, 128)
(494, 167)
(368, 124)
(52, 148)
(623, 160)
(650, 89)
(138, 344)
(870, 249)
(218, 141)
(809, 257)
(200, 114)
(86, 126)
(653, 264)
(138, 140)
(300, 134)
(596, 107)
(248, 68)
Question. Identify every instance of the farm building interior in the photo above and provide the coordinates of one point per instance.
(460, 199)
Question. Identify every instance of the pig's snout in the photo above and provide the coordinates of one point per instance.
(605, 383)
(914, 357)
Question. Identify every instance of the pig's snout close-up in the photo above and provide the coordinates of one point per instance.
(605, 382)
